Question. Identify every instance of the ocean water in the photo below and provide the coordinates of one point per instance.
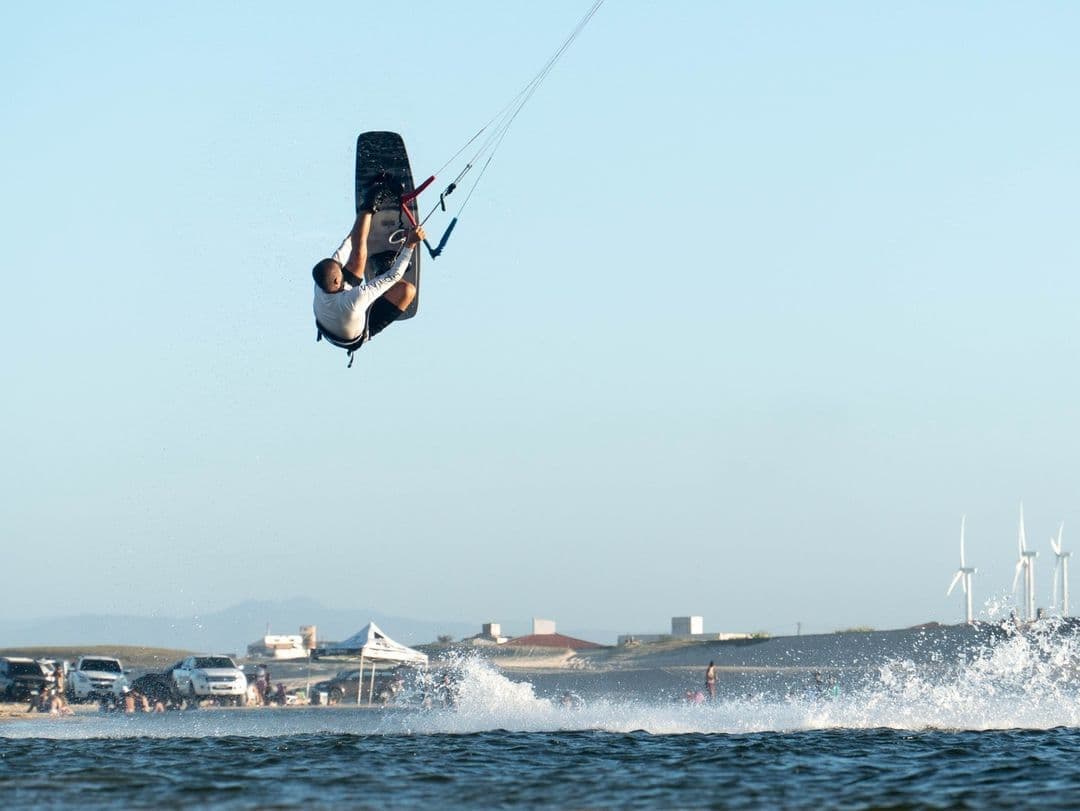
(1001, 730)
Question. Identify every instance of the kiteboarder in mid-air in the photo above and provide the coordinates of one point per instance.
(348, 313)
(353, 302)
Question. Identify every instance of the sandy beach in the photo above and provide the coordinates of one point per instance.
(17, 712)
(660, 670)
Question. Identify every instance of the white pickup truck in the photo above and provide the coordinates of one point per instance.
(96, 677)
(217, 677)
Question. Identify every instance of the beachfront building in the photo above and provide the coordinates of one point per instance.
(544, 635)
(687, 626)
(278, 646)
(284, 646)
(683, 629)
(490, 634)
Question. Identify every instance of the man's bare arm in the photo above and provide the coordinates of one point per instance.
(359, 235)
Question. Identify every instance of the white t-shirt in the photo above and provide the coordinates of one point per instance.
(344, 314)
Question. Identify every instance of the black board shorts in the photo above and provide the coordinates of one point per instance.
(381, 315)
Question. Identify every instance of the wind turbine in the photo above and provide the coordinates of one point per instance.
(963, 574)
(1026, 564)
(1062, 565)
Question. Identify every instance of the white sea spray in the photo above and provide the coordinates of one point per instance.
(1020, 680)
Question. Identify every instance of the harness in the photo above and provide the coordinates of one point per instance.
(322, 333)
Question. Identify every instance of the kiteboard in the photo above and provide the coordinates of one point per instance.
(383, 177)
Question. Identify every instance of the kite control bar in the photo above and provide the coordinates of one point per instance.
(408, 198)
(405, 200)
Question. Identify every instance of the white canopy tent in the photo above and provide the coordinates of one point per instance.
(374, 646)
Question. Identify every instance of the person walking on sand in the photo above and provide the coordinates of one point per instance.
(710, 680)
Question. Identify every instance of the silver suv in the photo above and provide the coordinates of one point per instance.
(96, 677)
(215, 677)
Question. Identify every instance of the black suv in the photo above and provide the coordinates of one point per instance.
(21, 678)
(346, 684)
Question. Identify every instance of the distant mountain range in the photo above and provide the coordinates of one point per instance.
(232, 629)
(227, 631)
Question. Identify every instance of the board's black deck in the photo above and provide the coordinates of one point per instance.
(381, 155)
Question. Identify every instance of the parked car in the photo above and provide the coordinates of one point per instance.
(345, 685)
(215, 677)
(21, 678)
(96, 677)
(158, 687)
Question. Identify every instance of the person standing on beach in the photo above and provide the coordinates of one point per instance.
(59, 698)
(262, 683)
(710, 680)
(58, 678)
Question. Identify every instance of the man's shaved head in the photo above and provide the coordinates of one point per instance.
(327, 274)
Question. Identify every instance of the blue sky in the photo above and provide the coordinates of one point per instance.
(754, 302)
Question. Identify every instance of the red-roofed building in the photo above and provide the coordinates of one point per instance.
(560, 641)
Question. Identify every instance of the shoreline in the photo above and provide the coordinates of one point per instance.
(11, 712)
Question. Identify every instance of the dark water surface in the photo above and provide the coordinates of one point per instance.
(868, 768)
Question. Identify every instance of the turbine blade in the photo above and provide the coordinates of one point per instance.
(952, 585)
(1016, 577)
